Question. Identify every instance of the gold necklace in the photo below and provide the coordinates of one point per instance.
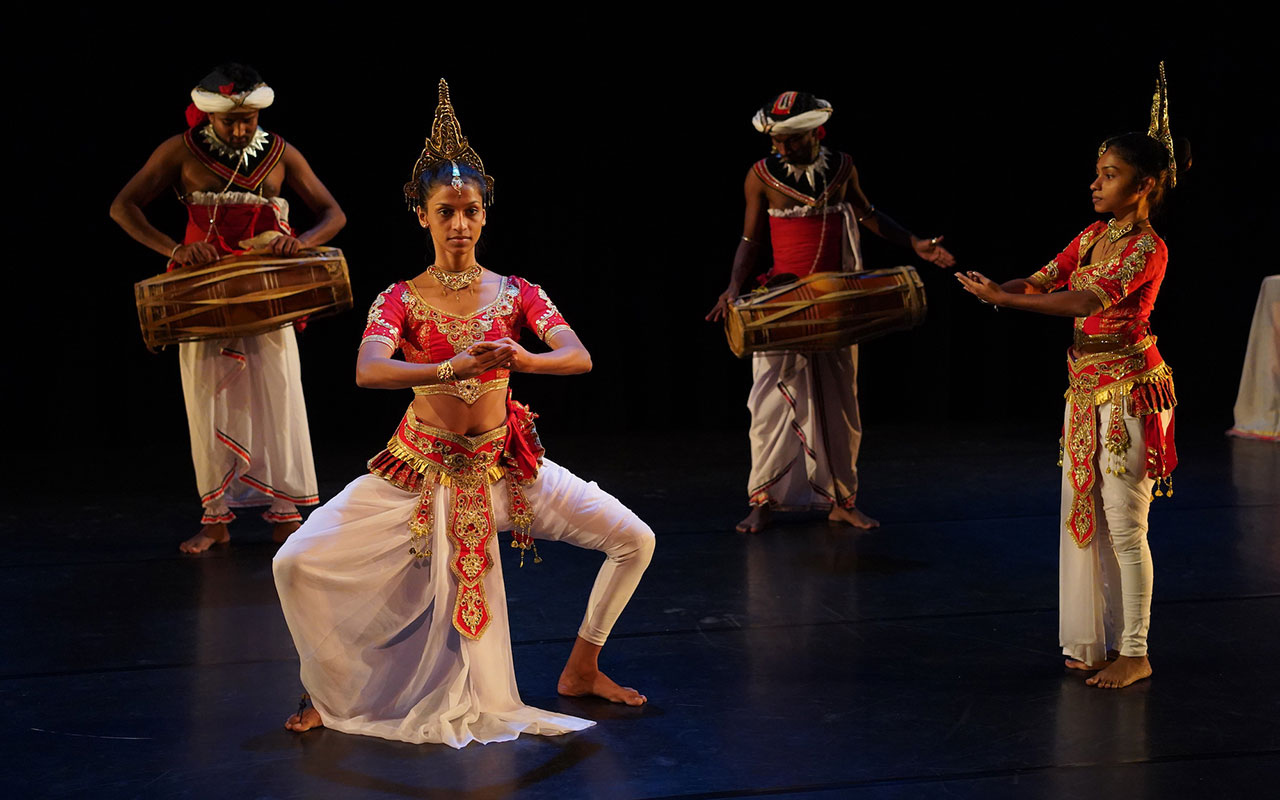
(1114, 231)
(457, 281)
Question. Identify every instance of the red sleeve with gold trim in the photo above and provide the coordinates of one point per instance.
(1053, 276)
(1142, 261)
(540, 313)
(386, 318)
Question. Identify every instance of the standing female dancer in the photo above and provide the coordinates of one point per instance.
(392, 590)
(1113, 272)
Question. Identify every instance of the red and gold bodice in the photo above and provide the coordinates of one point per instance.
(1126, 284)
(403, 319)
(418, 458)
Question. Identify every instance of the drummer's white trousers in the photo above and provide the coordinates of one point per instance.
(249, 438)
(805, 429)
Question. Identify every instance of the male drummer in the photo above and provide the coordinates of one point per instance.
(248, 422)
(805, 427)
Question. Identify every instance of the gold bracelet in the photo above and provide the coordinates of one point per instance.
(444, 372)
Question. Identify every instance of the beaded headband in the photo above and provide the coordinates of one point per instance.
(446, 144)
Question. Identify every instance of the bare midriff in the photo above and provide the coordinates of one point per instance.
(452, 414)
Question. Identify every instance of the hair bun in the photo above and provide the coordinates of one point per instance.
(1182, 154)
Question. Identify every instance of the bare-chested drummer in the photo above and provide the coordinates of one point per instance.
(805, 425)
(248, 421)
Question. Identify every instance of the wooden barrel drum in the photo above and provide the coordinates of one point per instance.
(825, 311)
(241, 295)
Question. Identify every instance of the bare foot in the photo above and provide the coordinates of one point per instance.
(1073, 663)
(577, 684)
(208, 536)
(306, 720)
(852, 516)
(756, 521)
(283, 530)
(1122, 672)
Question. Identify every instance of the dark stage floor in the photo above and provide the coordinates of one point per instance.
(805, 662)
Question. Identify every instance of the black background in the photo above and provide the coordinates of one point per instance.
(619, 141)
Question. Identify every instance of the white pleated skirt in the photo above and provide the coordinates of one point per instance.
(374, 626)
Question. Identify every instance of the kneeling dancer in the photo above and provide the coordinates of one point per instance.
(393, 591)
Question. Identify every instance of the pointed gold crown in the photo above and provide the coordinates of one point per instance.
(446, 143)
(1159, 129)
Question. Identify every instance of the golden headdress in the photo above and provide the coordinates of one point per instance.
(445, 145)
(1159, 129)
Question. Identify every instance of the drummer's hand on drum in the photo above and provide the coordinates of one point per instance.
(285, 246)
(195, 254)
(980, 286)
(931, 250)
(481, 358)
(721, 308)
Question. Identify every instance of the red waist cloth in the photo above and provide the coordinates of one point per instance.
(802, 245)
(232, 223)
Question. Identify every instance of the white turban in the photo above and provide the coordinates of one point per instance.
(804, 121)
(256, 99)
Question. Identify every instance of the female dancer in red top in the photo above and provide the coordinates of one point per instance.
(1118, 424)
(393, 590)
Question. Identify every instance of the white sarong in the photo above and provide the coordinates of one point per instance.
(249, 437)
(805, 429)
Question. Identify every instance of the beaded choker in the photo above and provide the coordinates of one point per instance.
(456, 281)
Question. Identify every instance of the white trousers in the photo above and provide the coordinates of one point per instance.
(805, 429)
(374, 626)
(249, 437)
(1104, 588)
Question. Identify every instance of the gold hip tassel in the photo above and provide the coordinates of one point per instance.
(420, 524)
(1117, 438)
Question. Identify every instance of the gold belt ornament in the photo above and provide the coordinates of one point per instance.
(468, 466)
(1095, 379)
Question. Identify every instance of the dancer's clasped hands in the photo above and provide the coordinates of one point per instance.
(504, 353)
(482, 357)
